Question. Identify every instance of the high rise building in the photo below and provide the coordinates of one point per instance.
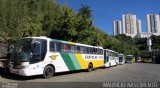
(129, 25)
(117, 27)
(153, 23)
(139, 26)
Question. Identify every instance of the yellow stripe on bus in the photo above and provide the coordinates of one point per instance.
(72, 43)
(97, 63)
(84, 64)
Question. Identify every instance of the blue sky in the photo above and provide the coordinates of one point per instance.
(105, 11)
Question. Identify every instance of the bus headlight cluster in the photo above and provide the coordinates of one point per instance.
(24, 67)
(21, 67)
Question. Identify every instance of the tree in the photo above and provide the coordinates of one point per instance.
(23, 18)
(85, 11)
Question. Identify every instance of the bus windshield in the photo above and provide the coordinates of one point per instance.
(28, 50)
(120, 59)
(21, 50)
(129, 58)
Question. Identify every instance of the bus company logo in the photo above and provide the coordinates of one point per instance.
(53, 57)
(91, 57)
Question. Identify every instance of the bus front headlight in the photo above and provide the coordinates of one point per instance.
(21, 66)
(24, 67)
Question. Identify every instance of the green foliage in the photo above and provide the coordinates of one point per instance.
(127, 45)
(124, 38)
(85, 11)
(141, 43)
(23, 18)
(155, 42)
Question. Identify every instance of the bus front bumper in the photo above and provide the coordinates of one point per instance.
(23, 72)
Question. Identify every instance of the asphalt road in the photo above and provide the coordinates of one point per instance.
(136, 72)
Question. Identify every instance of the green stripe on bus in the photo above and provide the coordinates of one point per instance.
(74, 60)
(68, 61)
(60, 41)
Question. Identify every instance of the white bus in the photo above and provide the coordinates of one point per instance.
(121, 58)
(46, 56)
(109, 58)
(129, 59)
(116, 57)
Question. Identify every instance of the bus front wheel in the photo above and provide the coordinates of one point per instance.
(48, 72)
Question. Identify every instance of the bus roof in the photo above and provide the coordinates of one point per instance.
(120, 54)
(129, 55)
(67, 42)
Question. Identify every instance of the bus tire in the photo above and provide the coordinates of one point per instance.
(150, 60)
(116, 63)
(48, 72)
(109, 65)
(90, 67)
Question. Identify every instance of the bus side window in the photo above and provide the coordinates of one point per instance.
(82, 49)
(66, 48)
(99, 51)
(52, 47)
(78, 49)
(85, 50)
(94, 51)
(58, 47)
(102, 52)
(91, 51)
(73, 49)
(44, 49)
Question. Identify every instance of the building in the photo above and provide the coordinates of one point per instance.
(117, 27)
(153, 23)
(145, 35)
(139, 26)
(129, 25)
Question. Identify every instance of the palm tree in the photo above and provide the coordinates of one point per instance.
(85, 11)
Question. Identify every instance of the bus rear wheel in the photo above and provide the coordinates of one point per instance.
(109, 65)
(48, 72)
(90, 67)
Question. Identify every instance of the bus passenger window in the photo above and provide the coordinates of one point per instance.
(94, 50)
(98, 51)
(58, 47)
(91, 51)
(52, 46)
(65, 48)
(87, 50)
(78, 49)
(73, 49)
(82, 49)
(101, 52)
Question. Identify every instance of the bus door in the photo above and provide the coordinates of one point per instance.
(105, 57)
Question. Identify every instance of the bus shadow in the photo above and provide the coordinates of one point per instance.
(14, 77)
(103, 68)
(69, 72)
